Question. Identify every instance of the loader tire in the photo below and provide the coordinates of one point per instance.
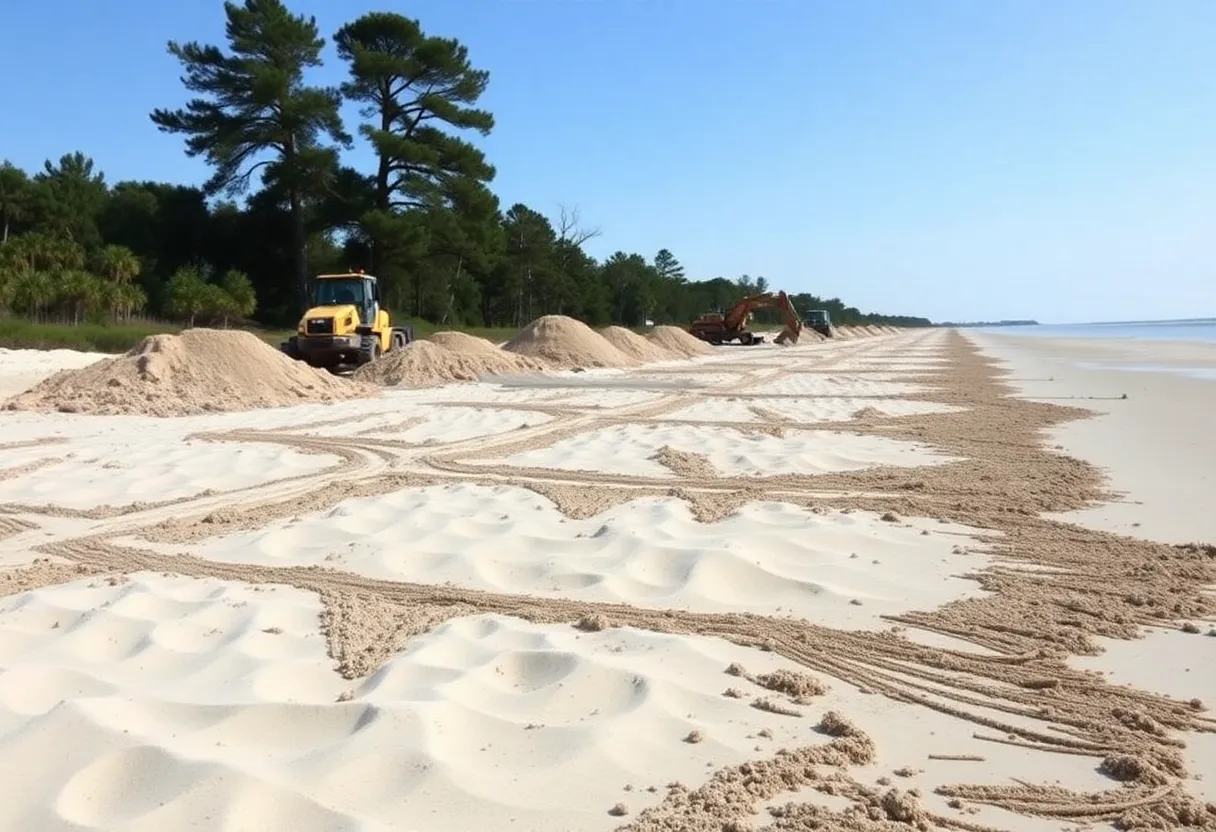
(370, 350)
(291, 349)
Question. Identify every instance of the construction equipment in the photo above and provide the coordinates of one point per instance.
(345, 325)
(820, 321)
(720, 328)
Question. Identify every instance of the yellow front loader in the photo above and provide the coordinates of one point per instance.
(345, 326)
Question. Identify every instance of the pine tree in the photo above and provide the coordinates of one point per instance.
(259, 113)
(411, 87)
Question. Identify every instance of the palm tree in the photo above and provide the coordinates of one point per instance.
(73, 292)
(8, 281)
(33, 292)
(119, 264)
(39, 252)
(123, 299)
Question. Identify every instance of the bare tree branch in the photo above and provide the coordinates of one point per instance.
(570, 231)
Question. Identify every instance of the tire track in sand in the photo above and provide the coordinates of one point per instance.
(1025, 693)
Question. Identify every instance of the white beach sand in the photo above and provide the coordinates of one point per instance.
(1158, 444)
(21, 369)
(204, 693)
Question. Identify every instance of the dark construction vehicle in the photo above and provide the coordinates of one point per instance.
(820, 321)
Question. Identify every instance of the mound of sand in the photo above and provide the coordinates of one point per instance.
(471, 345)
(566, 343)
(632, 344)
(432, 362)
(198, 371)
(497, 359)
(678, 341)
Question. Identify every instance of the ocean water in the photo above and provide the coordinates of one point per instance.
(1193, 329)
(1205, 373)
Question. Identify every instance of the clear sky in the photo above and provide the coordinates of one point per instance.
(959, 159)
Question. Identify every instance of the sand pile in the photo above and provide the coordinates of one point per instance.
(636, 346)
(678, 341)
(454, 357)
(566, 343)
(471, 345)
(198, 371)
(497, 359)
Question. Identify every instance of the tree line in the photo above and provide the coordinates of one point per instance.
(424, 220)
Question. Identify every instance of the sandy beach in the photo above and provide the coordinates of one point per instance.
(1156, 445)
(921, 579)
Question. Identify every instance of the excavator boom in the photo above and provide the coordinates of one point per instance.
(731, 326)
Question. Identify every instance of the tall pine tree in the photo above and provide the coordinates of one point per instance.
(259, 113)
(414, 88)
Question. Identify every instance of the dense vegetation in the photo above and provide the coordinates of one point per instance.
(77, 250)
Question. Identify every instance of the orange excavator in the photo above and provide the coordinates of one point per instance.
(720, 328)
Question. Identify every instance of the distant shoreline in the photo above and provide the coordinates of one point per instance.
(1197, 330)
(974, 324)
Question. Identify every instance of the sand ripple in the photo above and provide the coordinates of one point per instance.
(486, 711)
(629, 450)
(771, 558)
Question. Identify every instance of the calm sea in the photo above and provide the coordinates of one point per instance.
(1194, 329)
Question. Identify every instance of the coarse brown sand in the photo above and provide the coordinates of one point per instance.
(466, 344)
(685, 463)
(567, 344)
(427, 363)
(1078, 584)
(636, 346)
(198, 371)
(678, 341)
(12, 526)
(15, 471)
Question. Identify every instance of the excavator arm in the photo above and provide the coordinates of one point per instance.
(719, 328)
(789, 315)
(737, 316)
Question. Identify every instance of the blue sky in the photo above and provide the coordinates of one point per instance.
(959, 159)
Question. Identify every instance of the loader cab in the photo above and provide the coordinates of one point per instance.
(330, 335)
(356, 289)
(820, 321)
